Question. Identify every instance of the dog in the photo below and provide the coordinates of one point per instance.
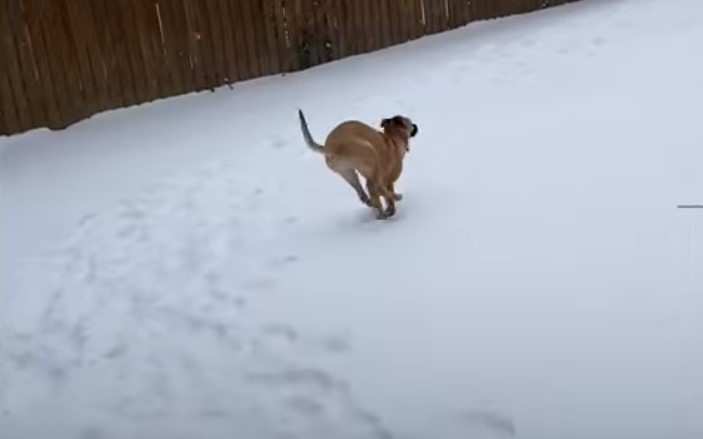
(354, 147)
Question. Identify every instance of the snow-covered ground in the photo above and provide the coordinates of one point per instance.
(187, 269)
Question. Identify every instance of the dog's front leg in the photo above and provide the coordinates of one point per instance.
(396, 196)
(375, 201)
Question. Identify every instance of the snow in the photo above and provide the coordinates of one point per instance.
(187, 269)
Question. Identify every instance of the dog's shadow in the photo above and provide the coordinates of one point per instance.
(364, 218)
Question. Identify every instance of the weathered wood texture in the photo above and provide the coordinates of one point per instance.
(62, 61)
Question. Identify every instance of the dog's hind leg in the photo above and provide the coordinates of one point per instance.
(377, 190)
(352, 178)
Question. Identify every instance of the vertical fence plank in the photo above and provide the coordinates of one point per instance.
(373, 24)
(77, 92)
(231, 55)
(261, 37)
(63, 59)
(419, 20)
(153, 43)
(270, 28)
(483, 9)
(219, 41)
(172, 48)
(109, 76)
(29, 72)
(85, 33)
(206, 44)
(245, 31)
(175, 13)
(437, 8)
(9, 118)
(9, 122)
(459, 13)
(51, 83)
(348, 26)
(409, 18)
(78, 33)
(306, 23)
(364, 27)
(198, 51)
(255, 41)
(284, 49)
(194, 35)
(121, 64)
(14, 87)
(340, 14)
(394, 16)
(147, 34)
(385, 23)
(291, 13)
(131, 55)
(357, 24)
(330, 14)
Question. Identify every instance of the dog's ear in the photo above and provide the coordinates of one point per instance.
(385, 123)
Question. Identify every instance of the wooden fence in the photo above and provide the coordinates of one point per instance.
(62, 61)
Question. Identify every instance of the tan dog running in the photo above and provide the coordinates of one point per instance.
(353, 147)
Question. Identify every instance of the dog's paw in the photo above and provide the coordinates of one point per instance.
(398, 197)
(389, 212)
(382, 215)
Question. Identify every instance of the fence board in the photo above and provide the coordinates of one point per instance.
(30, 74)
(13, 78)
(179, 77)
(385, 23)
(270, 27)
(246, 29)
(91, 57)
(107, 75)
(49, 82)
(418, 25)
(263, 50)
(347, 27)
(175, 13)
(279, 20)
(76, 35)
(309, 34)
(207, 44)
(357, 27)
(408, 19)
(156, 79)
(61, 58)
(458, 13)
(369, 26)
(331, 22)
(198, 65)
(393, 21)
(239, 62)
(229, 55)
(124, 15)
(7, 104)
(212, 20)
(121, 61)
(291, 25)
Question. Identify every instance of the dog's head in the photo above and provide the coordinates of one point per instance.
(400, 123)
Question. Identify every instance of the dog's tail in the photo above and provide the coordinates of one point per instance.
(306, 134)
